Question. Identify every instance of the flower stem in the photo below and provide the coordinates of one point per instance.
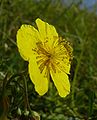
(75, 76)
(27, 106)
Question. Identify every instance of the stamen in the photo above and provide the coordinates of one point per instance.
(51, 58)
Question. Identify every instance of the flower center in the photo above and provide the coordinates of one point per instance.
(53, 58)
(44, 57)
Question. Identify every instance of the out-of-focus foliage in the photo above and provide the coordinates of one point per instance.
(79, 26)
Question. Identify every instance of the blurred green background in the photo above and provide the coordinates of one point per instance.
(74, 20)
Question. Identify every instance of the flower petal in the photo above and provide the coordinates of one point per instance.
(61, 82)
(64, 66)
(62, 58)
(39, 79)
(47, 32)
(27, 36)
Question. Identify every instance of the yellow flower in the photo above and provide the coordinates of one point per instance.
(48, 55)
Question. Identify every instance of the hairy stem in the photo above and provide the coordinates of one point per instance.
(75, 76)
(26, 95)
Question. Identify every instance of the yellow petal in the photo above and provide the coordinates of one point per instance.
(27, 36)
(64, 66)
(47, 32)
(61, 82)
(62, 58)
(39, 79)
